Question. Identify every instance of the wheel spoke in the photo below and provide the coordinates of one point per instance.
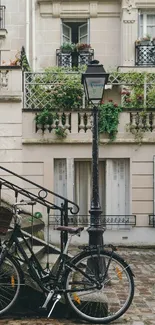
(115, 294)
(9, 284)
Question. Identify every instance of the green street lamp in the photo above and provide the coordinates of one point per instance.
(94, 81)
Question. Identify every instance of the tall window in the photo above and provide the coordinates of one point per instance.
(83, 190)
(114, 186)
(75, 31)
(147, 24)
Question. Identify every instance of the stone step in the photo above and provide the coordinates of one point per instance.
(50, 259)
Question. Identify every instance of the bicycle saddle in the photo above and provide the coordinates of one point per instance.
(70, 230)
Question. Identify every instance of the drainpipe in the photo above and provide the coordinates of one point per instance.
(27, 28)
(33, 37)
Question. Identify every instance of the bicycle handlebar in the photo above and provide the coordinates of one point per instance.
(24, 202)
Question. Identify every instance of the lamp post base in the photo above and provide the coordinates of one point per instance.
(95, 230)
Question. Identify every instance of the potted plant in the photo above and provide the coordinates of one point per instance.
(145, 40)
(84, 47)
(67, 47)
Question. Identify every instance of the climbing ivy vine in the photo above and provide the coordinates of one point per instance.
(109, 118)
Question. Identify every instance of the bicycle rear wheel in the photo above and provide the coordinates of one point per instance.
(10, 283)
(112, 299)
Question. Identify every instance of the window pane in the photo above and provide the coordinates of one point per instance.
(141, 19)
(84, 29)
(141, 31)
(151, 20)
(151, 31)
(65, 39)
(66, 31)
(83, 33)
(83, 39)
(151, 25)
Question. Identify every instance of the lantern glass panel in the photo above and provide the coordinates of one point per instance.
(95, 87)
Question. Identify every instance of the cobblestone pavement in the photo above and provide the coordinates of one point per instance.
(142, 310)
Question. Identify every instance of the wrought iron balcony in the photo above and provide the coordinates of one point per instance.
(73, 59)
(145, 54)
(107, 221)
(152, 220)
(2, 17)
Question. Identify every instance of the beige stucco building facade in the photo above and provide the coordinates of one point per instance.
(64, 166)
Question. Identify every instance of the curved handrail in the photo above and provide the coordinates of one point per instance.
(42, 193)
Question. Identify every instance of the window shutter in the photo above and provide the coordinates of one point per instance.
(82, 188)
(121, 187)
(117, 188)
(70, 178)
(102, 185)
(60, 179)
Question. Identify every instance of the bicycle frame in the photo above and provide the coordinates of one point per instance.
(39, 275)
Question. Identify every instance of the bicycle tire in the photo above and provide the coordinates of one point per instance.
(11, 278)
(112, 300)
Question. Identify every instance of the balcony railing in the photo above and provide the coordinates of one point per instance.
(145, 122)
(152, 220)
(73, 59)
(2, 17)
(145, 55)
(39, 88)
(107, 221)
(84, 122)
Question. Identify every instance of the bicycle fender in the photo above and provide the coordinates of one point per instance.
(84, 253)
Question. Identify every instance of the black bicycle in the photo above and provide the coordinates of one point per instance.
(97, 283)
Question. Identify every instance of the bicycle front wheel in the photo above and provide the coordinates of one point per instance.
(107, 300)
(10, 281)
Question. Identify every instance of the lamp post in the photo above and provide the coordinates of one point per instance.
(94, 80)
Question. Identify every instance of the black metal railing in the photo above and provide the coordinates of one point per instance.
(145, 55)
(152, 220)
(122, 221)
(2, 17)
(40, 195)
(73, 59)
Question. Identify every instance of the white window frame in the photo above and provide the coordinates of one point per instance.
(80, 36)
(145, 24)
(82, 20)
(63, 35)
